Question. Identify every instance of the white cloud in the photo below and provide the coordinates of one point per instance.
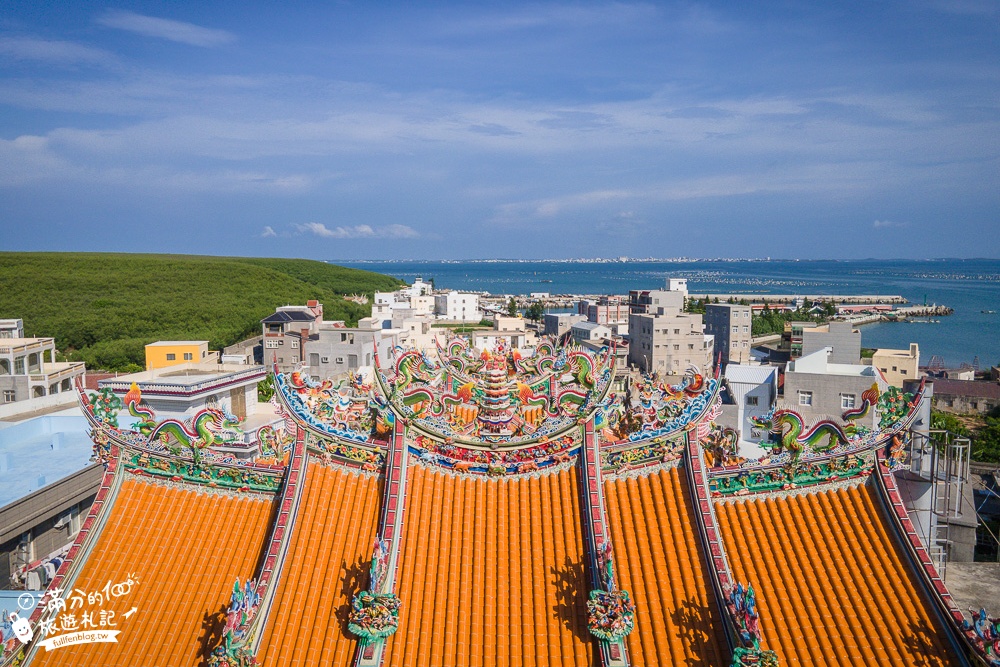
(358, 231)
(53, 51)
(175, 31)
(268, 232)
(889, 224)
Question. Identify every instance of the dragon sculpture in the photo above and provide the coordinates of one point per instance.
(205, 429)
(822, 436)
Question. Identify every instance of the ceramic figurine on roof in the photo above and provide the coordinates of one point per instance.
(347, 408)
(610, 612)
(499, 395)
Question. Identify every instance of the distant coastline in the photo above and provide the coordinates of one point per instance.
(969, 286)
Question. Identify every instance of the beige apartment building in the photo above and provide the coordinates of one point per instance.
(898, 365)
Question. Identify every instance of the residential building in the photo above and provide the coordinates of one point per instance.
(669, 343)
(818, 388)
(164, 353)
(458, 306)
(752, 391)
(590, 332)
(966, 396)
(898, 365)
(505, 323)
(28, 366)
(335, 350)
(731, 326)
(612, 311)
(415, 330)
(654, 301)
(558, 324)
(842, 338)
(285, 330)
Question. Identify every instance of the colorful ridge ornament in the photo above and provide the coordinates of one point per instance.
(611, 612)
(742, 607)
(234, 650)
(375, 615)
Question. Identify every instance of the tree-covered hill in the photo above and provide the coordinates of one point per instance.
(103, 308)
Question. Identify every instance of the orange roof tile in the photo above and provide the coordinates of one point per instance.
(185, 547)
(327, 563)
(833, 587)
(492, 573)
(659, 562)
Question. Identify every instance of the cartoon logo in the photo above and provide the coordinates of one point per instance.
(21, 628)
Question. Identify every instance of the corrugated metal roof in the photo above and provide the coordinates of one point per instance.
(749, 374)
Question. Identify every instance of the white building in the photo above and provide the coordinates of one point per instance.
(28, 366)
(753, 391)
(590, 332)
(458, 306)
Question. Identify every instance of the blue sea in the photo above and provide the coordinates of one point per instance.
(970, 286)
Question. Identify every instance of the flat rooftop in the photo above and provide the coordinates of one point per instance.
(171, 343)
(40, 451)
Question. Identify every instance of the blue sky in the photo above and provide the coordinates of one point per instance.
(465, 130)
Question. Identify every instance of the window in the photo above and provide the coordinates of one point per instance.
(171, 356)
(271, 344)
(188, 356)
(746, 344)
(902, 371)
(893, 368)
(805, 398)
(676, 331)
(736, 329)
(19, 366)
(847, 401)
(202, 356)
(340, 360)
(295, 344)
(746, 329)
(752, 400)
(736, 344)
(677, 347)
(8, 397)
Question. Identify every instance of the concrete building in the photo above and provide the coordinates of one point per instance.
(668, 343)
(752, 391)
(590, 332)
(179, 392)
(898, 366)
(818, 388)
(458, 306)
(611, 311)
(842, 338)
(28, 366)
(510, 324)
(730, 324)
(558, 324)
(164, 353)
(285, 331)
(47, 485)
(655, 301)
(335, 350)
(966, 396)
(414, 330)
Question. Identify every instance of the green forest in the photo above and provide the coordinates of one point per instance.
(103, 308)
